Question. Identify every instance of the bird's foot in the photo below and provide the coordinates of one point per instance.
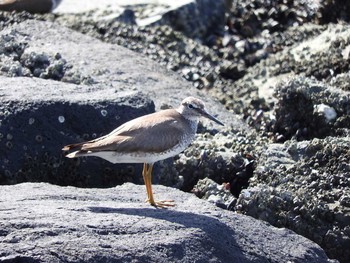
(161, 203)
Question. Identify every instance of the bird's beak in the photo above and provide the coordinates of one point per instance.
(210, 117)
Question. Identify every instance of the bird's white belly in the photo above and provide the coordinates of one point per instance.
(140, 157)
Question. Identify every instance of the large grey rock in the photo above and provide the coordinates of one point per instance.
(47, 223)
(109, 66)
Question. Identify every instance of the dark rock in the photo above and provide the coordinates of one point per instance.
(331, 11)
(32, 6)
(250, 18)
(219, 195)
(36, 125)
(196, 19)
(46, 223)
(224, 157)
(232, 71)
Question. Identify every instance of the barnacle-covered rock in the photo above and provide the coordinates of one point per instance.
(17, 60)
(227, 156)
(304, 186)
(307, 108)
(220, 195)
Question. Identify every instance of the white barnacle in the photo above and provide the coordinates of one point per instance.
(104, 113)
(328, 112)
(61, 119)
(31, 121)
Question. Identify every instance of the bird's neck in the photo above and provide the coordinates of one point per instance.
(194, 125)
(193, 120)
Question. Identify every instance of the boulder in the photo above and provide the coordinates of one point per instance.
(200, 19)
(47, 223)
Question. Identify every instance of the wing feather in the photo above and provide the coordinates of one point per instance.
(150, 133)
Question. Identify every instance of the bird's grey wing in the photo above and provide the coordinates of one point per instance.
(117, 135)
(158, 136)
(80, 145)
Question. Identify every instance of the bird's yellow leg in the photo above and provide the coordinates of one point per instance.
(149, 184)
(163, 203)
(145, 178)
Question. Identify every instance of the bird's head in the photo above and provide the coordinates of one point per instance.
(192, 108)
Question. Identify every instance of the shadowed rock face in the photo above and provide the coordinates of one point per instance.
(34, 128)
(47, 223)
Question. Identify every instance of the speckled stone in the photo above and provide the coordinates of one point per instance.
(298, 110)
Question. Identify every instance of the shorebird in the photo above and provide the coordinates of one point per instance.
(148, 139)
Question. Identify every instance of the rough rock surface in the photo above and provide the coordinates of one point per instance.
(197, 19)
(279, 64)
(47, 223)
(225, 157)
(305, 186)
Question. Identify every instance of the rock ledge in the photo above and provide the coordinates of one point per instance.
(47, 223)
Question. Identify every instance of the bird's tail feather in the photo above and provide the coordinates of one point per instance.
(76, 148)
(73, 154)
(73, 147)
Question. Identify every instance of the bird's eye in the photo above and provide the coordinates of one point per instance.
(190, 106)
